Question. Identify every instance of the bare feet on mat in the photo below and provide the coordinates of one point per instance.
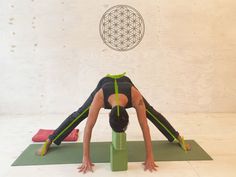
(44, 148)
(185, 146)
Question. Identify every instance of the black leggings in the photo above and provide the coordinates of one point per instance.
(76, 117)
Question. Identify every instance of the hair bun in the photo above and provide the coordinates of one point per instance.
(118, 123)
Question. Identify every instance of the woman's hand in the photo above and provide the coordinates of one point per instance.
(87, 165)
(150, 165)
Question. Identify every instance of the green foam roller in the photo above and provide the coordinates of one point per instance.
(118, 159)
(119, 140)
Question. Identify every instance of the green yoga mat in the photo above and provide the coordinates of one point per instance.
(70, 153)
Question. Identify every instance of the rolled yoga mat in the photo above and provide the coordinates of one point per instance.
(71, 153)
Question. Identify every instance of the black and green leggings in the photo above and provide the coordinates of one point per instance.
(76, 117)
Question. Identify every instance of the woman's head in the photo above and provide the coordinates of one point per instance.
(118, 123)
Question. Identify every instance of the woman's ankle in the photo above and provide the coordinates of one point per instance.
(49, 141)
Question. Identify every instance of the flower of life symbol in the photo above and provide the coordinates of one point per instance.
(121, 27)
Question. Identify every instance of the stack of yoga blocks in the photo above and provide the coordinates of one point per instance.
(118, 152)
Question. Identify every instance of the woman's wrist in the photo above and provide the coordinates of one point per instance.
(86, 157)
(150, 156)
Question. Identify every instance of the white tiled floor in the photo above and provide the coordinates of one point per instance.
(214, 132)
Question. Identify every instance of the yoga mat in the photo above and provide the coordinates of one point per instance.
(71, 153)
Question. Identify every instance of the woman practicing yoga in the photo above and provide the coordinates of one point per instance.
(115, 92)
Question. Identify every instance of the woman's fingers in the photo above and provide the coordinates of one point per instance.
(85, 168)
(156, 165)
(150, 166)
(81, 168)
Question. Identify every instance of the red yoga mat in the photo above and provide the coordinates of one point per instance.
(42, 135)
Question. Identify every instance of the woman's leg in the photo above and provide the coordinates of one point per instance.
(69, 123)
(165, 127)
(74, 119)
(161, 122)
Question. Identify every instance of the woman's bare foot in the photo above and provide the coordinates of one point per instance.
(44, 148)
(184, 146)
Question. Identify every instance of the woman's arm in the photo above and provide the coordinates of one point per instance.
(139, 105)
(92, 117)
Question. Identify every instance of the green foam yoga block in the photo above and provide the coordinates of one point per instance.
(119, 140)
(118, 159)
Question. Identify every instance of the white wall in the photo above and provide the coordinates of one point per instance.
(51, 54)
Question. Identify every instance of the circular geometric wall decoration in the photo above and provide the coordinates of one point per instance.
(121, 27)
